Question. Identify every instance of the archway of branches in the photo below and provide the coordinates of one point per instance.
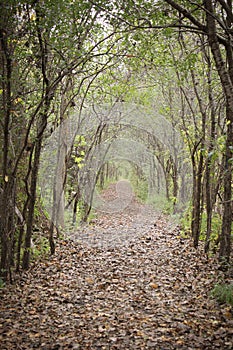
(81, 155)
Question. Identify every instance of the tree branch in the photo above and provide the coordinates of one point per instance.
(187, 14)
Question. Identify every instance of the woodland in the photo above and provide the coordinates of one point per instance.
(116, 158)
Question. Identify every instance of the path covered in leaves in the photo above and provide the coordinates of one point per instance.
(127, 281)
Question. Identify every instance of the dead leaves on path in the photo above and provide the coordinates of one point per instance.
(151, 293)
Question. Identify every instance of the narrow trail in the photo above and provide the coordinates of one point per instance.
(126, 281)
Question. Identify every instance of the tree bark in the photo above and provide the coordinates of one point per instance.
(42, 123)
(226, 76)
(8, 189)
(225, 237)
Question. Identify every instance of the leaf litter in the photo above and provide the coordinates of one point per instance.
(125, 281)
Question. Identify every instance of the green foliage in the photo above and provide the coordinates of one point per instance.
(223, 293)
(78, 154)
(69, 216)
(80, 141)
(185, 222)
(169, 206)
(106, 184)
(216, 226)
(41, 248)
(2, 284)
(140, 188)
(160, 202)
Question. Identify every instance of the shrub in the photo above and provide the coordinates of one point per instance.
(2, 284)
(223, 293)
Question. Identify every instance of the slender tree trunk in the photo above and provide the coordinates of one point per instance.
(225, 237)
(208, 175)
(25, 211)
(32, 198)
(224, 75)
(197, 195)
(225, 72)
(8, 190)
(42, 123)
(75, 208)
(175, 185)
(7, 227)
(57, 216)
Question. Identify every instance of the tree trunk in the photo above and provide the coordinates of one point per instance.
(226, 77)
(221, 66)
(32, 200)
(209, 168)
(197, 194)
(8, 190)
(225, 237)
(7, 227)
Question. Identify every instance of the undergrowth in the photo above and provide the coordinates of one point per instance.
(223, 293)
(2, 283)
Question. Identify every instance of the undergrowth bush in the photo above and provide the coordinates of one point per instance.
(215, 228)
(223, 293)
(140, 188)
(40, 248)
(2, 284)
(186, 221)
(159, 202)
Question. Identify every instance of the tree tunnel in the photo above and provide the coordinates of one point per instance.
(127, 135)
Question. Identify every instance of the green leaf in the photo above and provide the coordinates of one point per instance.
(78, 160)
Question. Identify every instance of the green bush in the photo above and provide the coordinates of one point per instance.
(162, 204)
(215, 227)
(2, 284)
(185, 222)
(223, 293)
(40, 248)
(139, 186)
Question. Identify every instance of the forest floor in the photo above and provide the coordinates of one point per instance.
(126, 281)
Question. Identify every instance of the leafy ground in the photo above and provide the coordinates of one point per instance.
(127, 281)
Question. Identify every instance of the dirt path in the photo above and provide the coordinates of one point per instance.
(148, 289)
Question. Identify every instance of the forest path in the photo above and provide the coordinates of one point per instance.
(147, 290)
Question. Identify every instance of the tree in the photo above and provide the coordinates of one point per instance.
(215, 22)
(41, 44)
